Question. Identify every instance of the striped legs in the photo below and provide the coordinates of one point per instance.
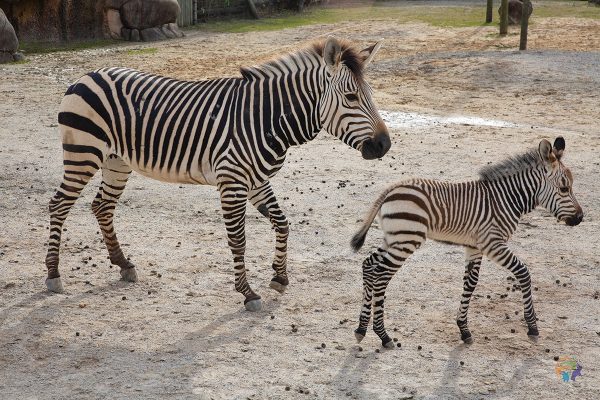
(368, 268)
(234, 196)
(79, 167)
(115, 173)
(264, 200)
(378, 277)
(473, 259)
(499, 252)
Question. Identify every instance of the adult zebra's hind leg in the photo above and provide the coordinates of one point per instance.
(80, 165)
(234, 196)
(265, 202)
(115, 173)
(473, 259)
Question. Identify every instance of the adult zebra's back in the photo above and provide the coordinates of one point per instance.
(232, 133)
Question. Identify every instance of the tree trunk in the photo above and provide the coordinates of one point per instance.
(489, 12)
(524, 24)
(504, 17)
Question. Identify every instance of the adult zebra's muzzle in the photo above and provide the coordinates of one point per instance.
(377, 146)
(575, 219)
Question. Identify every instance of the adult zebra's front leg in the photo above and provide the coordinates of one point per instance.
(499, 252)
(234, 196)
(265, 202)
(473, 259)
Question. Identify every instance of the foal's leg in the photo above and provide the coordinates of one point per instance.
(499, 252)
(395, 256)
(473, 260)
(265, 202)
(114, 178)
(368, 268)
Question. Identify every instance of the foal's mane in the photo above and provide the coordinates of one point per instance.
(511, 166)
(349, 57)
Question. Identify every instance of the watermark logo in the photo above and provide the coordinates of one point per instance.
(567, 368)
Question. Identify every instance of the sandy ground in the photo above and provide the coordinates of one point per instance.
(182, 332)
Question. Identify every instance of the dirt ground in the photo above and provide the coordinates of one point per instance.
(182, 332)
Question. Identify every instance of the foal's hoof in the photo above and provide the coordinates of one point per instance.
(466, 337)
(533, 333)
(359, 334)
(388, 344)
(54, 285)
(253, 305)
(129, 275)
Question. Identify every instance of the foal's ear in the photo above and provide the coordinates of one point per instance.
(332, 52)
(369, 53)
(559, 147)
(546, 152)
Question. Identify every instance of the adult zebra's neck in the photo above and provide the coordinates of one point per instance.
(282, 99)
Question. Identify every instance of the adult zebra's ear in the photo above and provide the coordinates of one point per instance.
(559, 147)
(546, 152)
(369, 53)
(332, 53)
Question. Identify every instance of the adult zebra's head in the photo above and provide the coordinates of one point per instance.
(347, 110)
(556, 194)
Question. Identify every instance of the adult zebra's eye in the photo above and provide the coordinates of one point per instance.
(564, 189)
(351, 97)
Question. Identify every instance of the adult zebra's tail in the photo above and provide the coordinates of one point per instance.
(359, 238)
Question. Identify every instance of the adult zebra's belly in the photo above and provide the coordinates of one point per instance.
(198, 174)
(453, 238)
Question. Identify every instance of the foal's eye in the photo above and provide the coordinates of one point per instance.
(351, 97)
(564, 189)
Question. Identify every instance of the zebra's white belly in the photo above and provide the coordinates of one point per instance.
(456, 238)
(198, 176)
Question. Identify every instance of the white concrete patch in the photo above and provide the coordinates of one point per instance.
(398, 119)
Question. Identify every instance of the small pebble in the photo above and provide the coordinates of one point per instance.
(419, 347)
(462, 363)
(123, 298)
(287, 388)
(555, 358)
(76, 333)
(512, 330)
(294, 329)
(547, 350)
(359, 348)
(376, 350)
(486, 338)
(398, 344)
(558, 281)
(323, 345)
(272, 317)
(149, 291)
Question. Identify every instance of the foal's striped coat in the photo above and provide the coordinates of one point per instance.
(480, 215)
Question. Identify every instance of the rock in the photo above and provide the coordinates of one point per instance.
(144, 14)
(8, 39)
(175, 29)
(6, 57)
(126, 33)
(167, 32)
(113, 18)
(135, 37)
(151, 34)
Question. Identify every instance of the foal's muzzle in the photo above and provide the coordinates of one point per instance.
(574, 220)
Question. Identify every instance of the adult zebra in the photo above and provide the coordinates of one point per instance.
(480, 215)
(232, 133)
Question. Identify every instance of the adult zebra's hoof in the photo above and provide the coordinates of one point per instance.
(129, 275)
(359, 334)
(389, 344)
(253, 305)
(54, 285)
(277, 286)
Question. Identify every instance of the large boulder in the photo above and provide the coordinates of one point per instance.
(515, 11)
(146, 20)
(8, 40)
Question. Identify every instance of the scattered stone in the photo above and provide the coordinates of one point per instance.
(462, 363)
(512, 330)
(419, 347)
(287, 388)
(323, 345)
(124, 298)
(76, 333)
(398, 344)
(82, 305)
(547, 350)
(272, 317)
(555, 358)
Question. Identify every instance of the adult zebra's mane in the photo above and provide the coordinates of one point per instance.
(511, 166)
(349, 56)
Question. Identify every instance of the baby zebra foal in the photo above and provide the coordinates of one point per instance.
(481, 215)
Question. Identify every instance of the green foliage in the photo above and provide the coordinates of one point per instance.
(147, 50)
(47, 47)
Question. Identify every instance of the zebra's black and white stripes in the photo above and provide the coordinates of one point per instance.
(480, 215)
(232, 133)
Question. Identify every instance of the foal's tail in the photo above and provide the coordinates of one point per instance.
(359, 238)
